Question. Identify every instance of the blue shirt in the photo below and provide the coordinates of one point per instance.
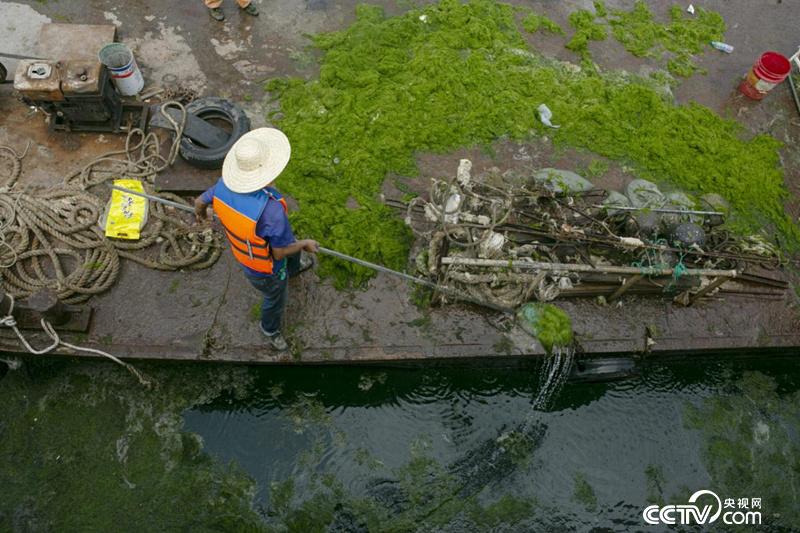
(273, 226)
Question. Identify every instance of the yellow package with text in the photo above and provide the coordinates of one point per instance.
(127, 213)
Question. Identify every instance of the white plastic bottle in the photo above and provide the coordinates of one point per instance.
(722, 47)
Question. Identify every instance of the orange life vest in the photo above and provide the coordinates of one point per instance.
(239, 214)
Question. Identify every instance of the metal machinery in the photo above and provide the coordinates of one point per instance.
(76, 95)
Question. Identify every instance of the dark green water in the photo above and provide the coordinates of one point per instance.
(215, 448)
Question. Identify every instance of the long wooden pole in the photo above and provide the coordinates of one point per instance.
(577, 267)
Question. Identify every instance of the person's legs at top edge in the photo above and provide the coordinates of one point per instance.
(213, 4)
(215, 8)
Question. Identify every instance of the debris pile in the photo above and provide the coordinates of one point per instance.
(514, 238)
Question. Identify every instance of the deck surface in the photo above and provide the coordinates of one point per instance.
(207, 315)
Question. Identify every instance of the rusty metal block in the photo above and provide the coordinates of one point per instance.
(46, 304)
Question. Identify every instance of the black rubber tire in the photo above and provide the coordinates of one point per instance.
(215, 108)
(3, 73)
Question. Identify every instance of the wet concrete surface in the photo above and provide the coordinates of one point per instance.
(208, 315)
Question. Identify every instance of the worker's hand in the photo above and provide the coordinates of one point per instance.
(311, 246)
(200, 211)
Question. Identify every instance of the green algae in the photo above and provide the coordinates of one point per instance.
(596, 169)
(458, 74)
(422, 496)
(534, 22)
(550, 325)
(685, 35)
(586, 29)
(88, 449)
(654, 474)
(751, 446)
(583, 493)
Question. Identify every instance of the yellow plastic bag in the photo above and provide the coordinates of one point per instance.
(127, 213)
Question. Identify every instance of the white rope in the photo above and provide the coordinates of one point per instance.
(10, 322)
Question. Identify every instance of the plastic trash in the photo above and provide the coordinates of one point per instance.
(643, 193)
(616, 199)
(463, 173)
(560, 181)
(680, 201)
(545, 115)
(125, 214)
(690, 9)
(722, 47)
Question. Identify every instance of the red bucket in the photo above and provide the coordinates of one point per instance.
(770, 70)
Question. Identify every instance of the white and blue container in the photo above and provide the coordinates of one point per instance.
(122, 66)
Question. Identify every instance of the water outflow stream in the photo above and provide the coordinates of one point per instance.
(553, 374)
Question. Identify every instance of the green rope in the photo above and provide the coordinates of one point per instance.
(677, 271)
(651, 262)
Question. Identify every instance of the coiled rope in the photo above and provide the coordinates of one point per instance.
(51, 239)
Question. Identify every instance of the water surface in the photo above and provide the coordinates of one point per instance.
(220, 448)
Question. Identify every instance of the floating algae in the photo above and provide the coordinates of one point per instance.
(751, 445)
(89, 449)
(421, 495)
(451, 75)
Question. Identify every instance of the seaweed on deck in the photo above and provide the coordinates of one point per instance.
(458, 74)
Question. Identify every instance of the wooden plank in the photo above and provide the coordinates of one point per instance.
(624, 287)
(708, 288)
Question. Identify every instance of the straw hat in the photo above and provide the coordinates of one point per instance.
(255, 160)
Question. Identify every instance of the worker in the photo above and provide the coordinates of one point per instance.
(253, 215)
(216, 12)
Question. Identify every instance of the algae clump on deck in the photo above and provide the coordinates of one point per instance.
(550, 325)
(460, 74)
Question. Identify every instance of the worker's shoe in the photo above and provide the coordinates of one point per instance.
(251, 9)
(276, 340)
(216, 13)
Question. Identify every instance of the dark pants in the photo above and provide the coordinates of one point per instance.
(274, 288)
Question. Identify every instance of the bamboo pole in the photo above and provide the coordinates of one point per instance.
(576, 267)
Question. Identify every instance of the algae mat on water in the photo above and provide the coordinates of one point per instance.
(84, 447)
(460, 74)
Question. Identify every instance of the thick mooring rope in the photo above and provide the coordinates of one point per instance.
(8, 179)
(51, 239)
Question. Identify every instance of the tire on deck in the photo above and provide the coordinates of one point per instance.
(222, 113)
